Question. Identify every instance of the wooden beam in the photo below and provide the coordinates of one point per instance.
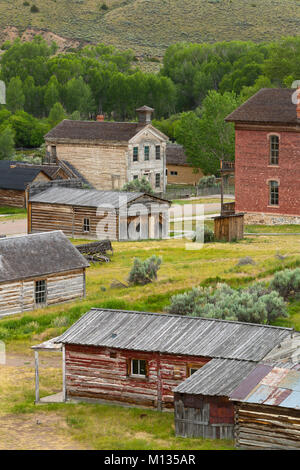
(37, 385)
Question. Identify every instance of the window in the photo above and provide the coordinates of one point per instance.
(157, 152)
(157, 180)
(193, 370)
(174, 173)
(86, 225)
(40, 292)
(274, 193)
(135, 177)
(274, 150)
(138, 367)
(146, 152)
(135, 154)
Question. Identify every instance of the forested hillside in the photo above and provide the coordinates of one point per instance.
(150, 26)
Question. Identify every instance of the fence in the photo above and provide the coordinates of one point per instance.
(195, 191)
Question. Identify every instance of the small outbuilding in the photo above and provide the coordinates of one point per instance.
(94, 214)
(267, 408)
(39, 270)
(179, 171)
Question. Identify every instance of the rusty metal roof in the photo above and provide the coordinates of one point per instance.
(175, 334)
(219, 377)
(39, 254)
(274, 386)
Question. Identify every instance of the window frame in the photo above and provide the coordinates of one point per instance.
(273, 196)
(38, 299)
(135, 154)
(274, 150)
(146, 154)
(132, 374)
(86, 223)
(157, 175)
(158, 153)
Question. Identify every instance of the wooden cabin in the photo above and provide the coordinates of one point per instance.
(93, 214)
(141, 357)
(39, 270)
(267, 408)
(179, 171)
(229, 227)
(14, 180)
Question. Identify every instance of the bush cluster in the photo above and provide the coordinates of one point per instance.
(144, 272)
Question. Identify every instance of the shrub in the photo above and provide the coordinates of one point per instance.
(34, 9)
(138, 185)
(244, 261)
(207, 182)
(206, 237)
(144, 272)
(287, 282)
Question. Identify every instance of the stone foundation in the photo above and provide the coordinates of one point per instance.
(270, 219)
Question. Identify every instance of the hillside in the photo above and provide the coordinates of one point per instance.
(150, 26)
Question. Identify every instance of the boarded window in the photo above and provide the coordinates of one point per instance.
(274, 150)
(40, 292)
(274, 193)
(138, 367)
(146, 152)
(157, 152)
(135, 154)
(86, 225)
(157, 180)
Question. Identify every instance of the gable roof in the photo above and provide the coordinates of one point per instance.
(219, 377)
(94, 130)
(88, 197)
(37, 255)
(174, 334)
(268, 105)
(15, 177)
(175, 155)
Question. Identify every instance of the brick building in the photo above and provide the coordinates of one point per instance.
(267, 156)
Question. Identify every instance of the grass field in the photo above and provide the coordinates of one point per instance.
(150, 26)
(77, 426)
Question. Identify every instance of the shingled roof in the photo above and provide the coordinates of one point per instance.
(268, 105)
(174, 334)
(15, 177)
(38, 255)
(175, 155)
(94, 130)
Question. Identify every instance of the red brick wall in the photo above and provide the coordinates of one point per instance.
(252, 172)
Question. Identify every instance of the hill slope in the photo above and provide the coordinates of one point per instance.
(150, 26)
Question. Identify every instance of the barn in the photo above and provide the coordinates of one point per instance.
(267, 408)
(14, 181)
(140, 357)
(93, 214)
(39, 270)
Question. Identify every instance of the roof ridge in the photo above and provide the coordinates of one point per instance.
(191, 318)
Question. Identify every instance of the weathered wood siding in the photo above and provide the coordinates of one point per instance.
(202, 416)
(185, 174)
(12, 198)
(266, 427)
(229, 228)
(102, 373)
(19, 296)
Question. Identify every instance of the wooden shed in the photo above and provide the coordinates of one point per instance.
(93, 214)
(229, 227)
(141, 357)
(267, 408)
(39, 270)
(14, 180)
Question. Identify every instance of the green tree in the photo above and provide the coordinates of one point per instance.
(51, 93)
(7, 143)
(56, 115)
(15, 97)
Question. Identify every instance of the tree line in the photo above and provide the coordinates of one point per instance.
(197, 86)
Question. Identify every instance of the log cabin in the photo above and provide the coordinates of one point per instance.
(141, 357)
(93, 214)
(39, 270)
(109, 154)
(267, 408)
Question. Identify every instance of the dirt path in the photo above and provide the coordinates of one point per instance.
(13, 227)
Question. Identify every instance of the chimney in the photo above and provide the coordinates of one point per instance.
(298, 103)
(145, 114)
(100, 118)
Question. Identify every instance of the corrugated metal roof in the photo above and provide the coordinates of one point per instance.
(278, 387)
(175, 334)
(37, 255)
(219, 377)
(85, 197)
